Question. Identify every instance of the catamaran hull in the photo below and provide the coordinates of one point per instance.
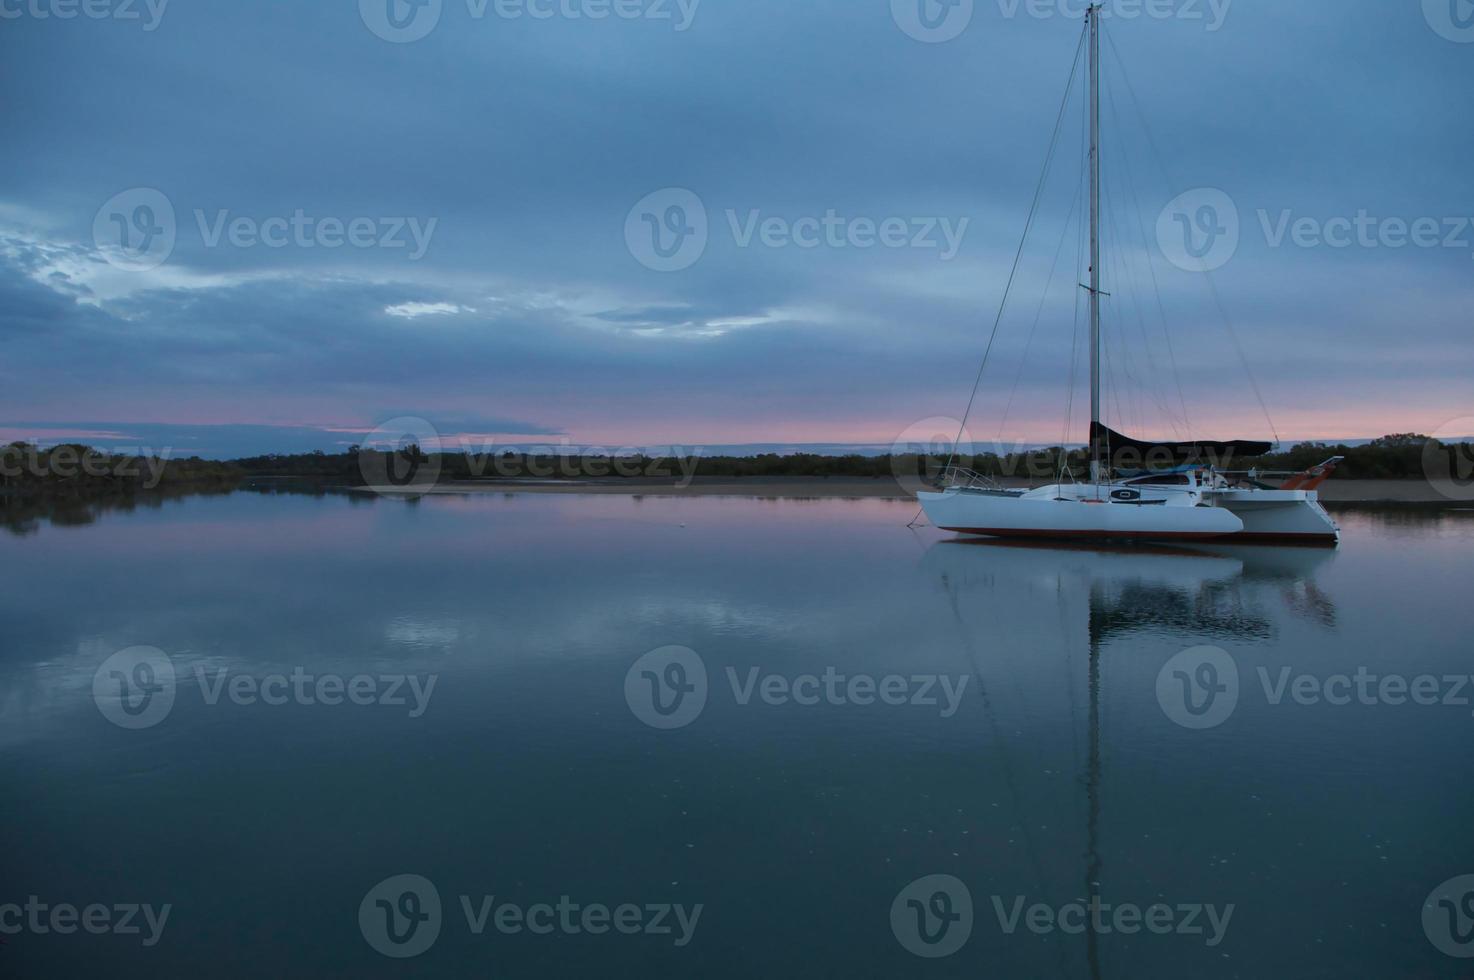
(1004, 516)
(1281, 515)
(1292, 516)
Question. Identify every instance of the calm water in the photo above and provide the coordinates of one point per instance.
(1033, 756)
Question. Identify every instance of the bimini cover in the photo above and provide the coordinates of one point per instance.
(1125, 453)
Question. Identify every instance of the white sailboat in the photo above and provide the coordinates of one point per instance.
(1194, 499)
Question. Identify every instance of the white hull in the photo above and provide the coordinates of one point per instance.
(1085, 512)
(1280, 515)
(1063, 512)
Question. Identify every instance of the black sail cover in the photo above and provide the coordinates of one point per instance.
(1125, 453)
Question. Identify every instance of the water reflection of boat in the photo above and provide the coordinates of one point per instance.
(1177, 595)
(1199, 590)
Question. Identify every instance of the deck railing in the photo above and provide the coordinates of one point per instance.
(962, 478)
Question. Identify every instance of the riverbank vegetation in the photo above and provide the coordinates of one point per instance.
(28, 472)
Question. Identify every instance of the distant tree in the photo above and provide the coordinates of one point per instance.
(1398, 440)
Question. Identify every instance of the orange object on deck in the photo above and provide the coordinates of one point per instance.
(1312, 477)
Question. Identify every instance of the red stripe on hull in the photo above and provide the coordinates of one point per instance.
(1096, 535)
(1269, 537)
(1325, 539)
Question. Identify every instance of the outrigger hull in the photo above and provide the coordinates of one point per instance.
(1290, 516)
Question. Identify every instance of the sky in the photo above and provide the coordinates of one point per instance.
(230, 227)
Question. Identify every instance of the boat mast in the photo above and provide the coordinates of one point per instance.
(1092, 15)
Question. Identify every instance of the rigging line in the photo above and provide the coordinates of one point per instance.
(1122, 266)
(1152, 257)
(1111, 258)
(1110, 372)
(1018, 255)
(1064, 439)
(1212, 285)
(1129, 202)
(1038, 313)
(1111, 330)
(1243, 358)
(1122, 269)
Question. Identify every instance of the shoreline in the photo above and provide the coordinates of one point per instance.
(1332, 492)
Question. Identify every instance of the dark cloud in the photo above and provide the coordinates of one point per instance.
(528, 141)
